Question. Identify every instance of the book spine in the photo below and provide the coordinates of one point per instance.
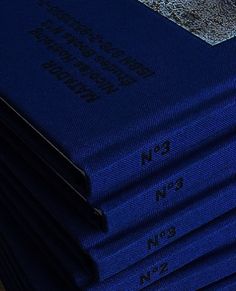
(208, 270)
(154, 243)
(149, 234)
(112, 258)
(171, 189)
(158, 152)
(174, 257)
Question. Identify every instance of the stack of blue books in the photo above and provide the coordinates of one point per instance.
(118, 148)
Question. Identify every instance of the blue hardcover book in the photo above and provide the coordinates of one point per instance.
(182, 253)
(151, 196)
(216, 267)
(203, 273)
(201, 242)
(172, 187)
(110, 97)
(113, 254)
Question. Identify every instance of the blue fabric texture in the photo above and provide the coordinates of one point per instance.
(113, 254)
(180, 254)
(150, 107)
(145, 199)
(206, 270)
(117, 150)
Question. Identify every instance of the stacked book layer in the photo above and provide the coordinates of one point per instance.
(118, 150)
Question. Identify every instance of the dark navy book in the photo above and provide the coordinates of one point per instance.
(175, 266)
(153, 196)
(50, 218)
(106, 92)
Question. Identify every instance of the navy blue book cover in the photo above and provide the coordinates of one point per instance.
(186, 251)
(203, 273)
(111, 254)
(150, 197)
(111, 84)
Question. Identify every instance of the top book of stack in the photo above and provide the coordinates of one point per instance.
(107, 92)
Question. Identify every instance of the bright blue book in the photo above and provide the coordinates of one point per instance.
(151, 196)
(181, 254)
(110, 97)
(113, 254)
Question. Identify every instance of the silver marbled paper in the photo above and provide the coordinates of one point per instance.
(212, 20)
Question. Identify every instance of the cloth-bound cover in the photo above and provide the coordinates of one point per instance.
(184, 252)
(215, 271)
(110, 90)
(113, 254)
(150, 195)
